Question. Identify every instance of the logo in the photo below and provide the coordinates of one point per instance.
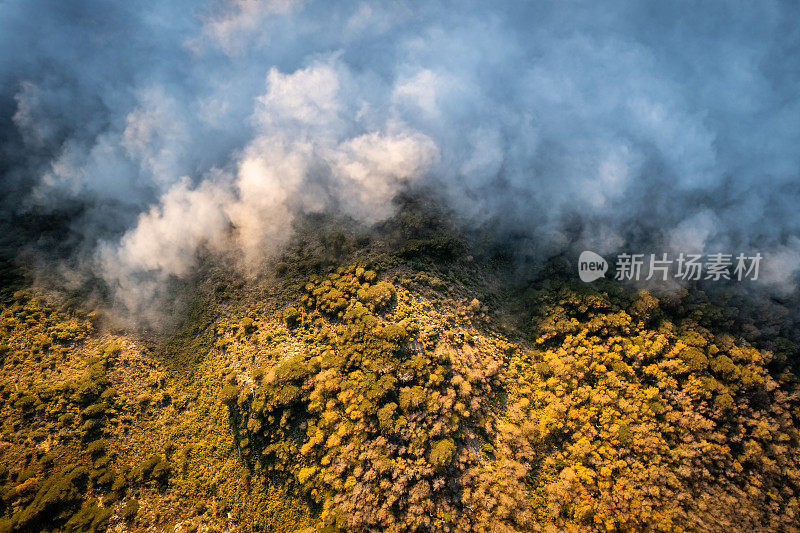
(591, 266)
(672, 266)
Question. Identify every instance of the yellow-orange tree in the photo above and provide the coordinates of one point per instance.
(631, 423)
(380, 418)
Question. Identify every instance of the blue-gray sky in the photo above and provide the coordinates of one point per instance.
(663, 125)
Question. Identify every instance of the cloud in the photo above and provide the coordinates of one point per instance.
(692, 235)
(574, 124)
(238, 21)
(780, 267)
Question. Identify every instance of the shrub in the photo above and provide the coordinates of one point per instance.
(160, 471)
(377, 296)
(543, 368)
(120, 484)
(248, 326)
(394, 333)
(624, 435)
(87, 390)
(130, 510)
(287, 394)
(442, 453)
(725, 367)
(55, 500)
(26, 402)
(386, 416)
(109, 395)
(441, 248)
(724, 402)
(293, 369)
(146, 470)
(694, 358)
(412, 398)
(292, 317)
(230, 394)
(93, 411)
(97, 448)
(91, 519)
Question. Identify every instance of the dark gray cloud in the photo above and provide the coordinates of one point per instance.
(579, 124)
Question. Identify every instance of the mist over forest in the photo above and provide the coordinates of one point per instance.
(290, 265)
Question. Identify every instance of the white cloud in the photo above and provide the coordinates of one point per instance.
(671, 129)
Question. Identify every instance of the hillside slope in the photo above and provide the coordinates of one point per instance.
(396, 393)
